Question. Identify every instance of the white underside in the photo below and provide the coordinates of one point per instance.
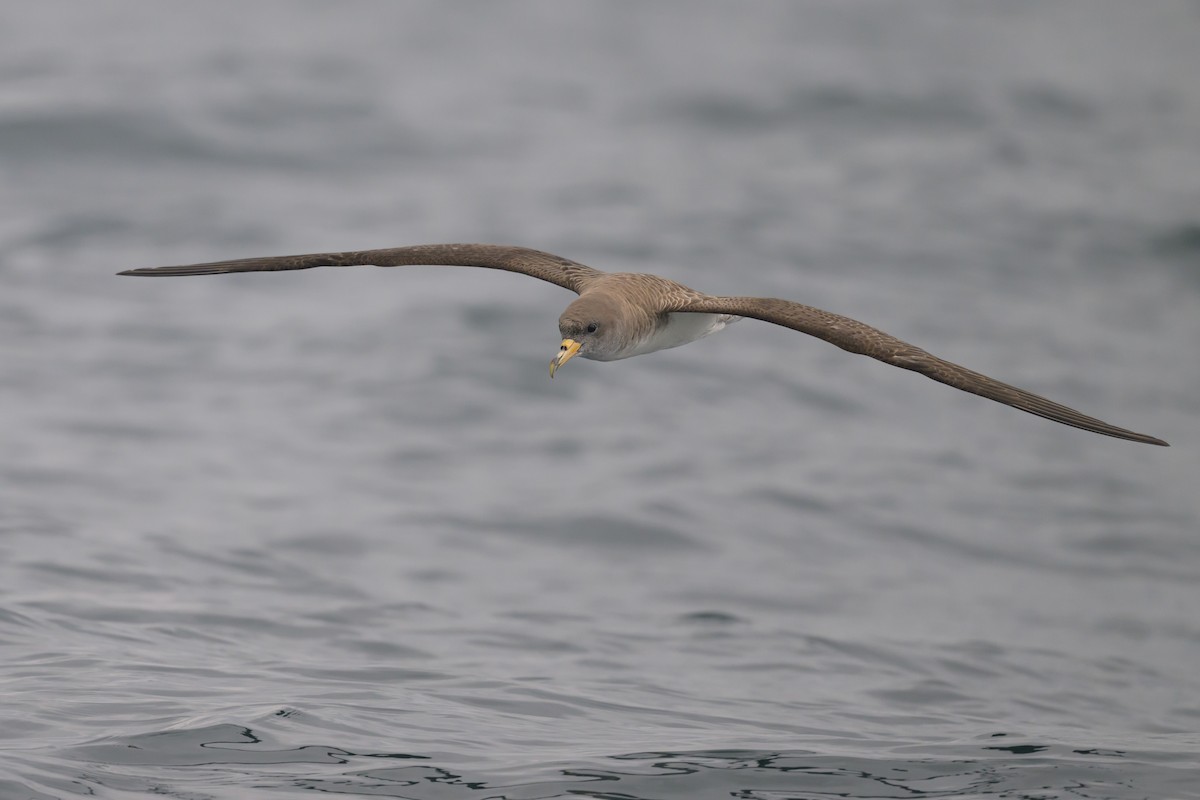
(680, 329)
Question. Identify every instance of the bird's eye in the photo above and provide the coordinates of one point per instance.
(591, 328)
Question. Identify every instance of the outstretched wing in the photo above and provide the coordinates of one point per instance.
(545, 266)
(857, 337)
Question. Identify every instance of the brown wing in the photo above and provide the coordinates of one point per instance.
(857, 337)
(545, 266)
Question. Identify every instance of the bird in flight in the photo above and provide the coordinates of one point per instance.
(620, 314)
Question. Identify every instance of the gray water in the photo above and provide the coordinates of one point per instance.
(337, 531)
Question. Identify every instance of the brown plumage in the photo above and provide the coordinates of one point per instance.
(618, 315)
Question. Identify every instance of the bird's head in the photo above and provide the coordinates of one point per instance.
(589, 328)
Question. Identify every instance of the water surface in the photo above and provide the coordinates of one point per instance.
(337, 531)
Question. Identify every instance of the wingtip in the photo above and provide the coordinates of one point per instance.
(185, 269)
(1144, 438)
(142, 272)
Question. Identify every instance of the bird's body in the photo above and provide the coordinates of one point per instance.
(677, 329)
(619, 315)
(647, 323)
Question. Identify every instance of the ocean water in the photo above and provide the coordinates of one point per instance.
(337, 532)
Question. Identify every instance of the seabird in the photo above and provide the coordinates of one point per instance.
(618, 315)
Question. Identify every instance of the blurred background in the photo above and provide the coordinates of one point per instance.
(337, 530)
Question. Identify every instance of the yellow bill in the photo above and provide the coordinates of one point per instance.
(568, 349)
